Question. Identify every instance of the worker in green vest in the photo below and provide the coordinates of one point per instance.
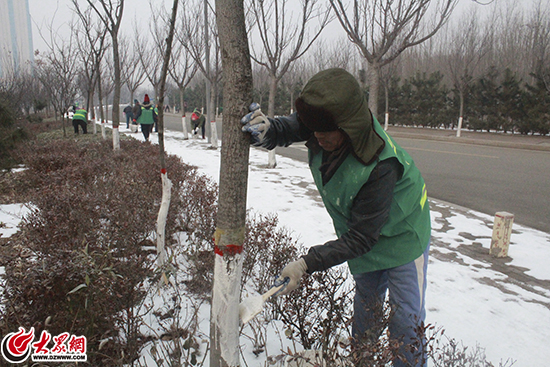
(146, 117)
(376, 198)
(80, 118)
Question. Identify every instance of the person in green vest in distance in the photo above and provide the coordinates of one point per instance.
(198, 120)
(146, 117)
(80, 118)
(376, 198)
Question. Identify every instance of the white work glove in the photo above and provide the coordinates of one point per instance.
(256, 124)
(294, 272)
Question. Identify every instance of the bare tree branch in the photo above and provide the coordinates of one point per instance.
(383, 29)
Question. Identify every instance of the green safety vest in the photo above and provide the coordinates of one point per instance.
(406, 234)
(146, 116)
(80, 115)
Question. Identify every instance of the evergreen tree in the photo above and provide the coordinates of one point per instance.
(486, 102)
(431, 100)
(512, 102)
(537, 107)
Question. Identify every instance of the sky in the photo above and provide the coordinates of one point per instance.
(472, 297)
(57, 14)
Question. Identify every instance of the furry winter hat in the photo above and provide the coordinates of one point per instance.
(146, 99)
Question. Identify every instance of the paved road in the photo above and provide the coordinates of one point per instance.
(483, 178)
(487, 179)
(481, 174)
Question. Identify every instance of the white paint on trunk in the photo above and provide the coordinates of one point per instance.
(116, 138)
(184, 126)
(386, 121)
(94, 121)
(214, 134)
(225, 305)
(161, 219)
(459, 127)
(271, 158)
(103, 131)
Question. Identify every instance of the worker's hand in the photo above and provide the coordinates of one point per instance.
(257, 125)
(294, 272)
(134, 120)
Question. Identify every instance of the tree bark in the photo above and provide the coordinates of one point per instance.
(374, 88)
(231, 218)
(183, 118)
(273, 82)
(116, 94)
(461, 114)
(166, 183)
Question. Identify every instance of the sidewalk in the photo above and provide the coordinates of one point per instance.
(518, 141)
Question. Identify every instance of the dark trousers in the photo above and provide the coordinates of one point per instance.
(129, 117)
(82, 124)
(146, 130)
(196, 129)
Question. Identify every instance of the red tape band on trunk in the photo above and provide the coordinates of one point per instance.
(163, 171)
(229, 249)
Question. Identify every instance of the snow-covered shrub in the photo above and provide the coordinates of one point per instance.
(84, 254)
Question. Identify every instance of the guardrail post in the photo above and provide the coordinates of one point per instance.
(502, 231)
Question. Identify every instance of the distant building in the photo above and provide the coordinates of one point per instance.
(16, 50)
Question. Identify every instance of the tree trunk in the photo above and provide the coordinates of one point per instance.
(183, 120)
(272, 158)
(374, 88)
(231, 218)
(387, 109)
(207, 127)
(461, 113)
(212, 122)
(90, 107)
(116, 95)
(100, 101)
(166, 183)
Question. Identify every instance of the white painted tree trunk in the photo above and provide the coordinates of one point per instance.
(94, 121)
(184, 126)
(161, 219)
(271, 158)
(214, 134)
(116, 138)
(459, 127)
(225, 305)
(103, 131)
(387, 121)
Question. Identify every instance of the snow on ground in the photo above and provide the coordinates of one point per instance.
(10, 216)
(502, 305)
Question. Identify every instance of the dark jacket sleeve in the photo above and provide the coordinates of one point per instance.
(369, 213)
(285, 130)
(137, 113)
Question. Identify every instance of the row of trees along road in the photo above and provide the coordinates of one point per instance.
(472, 52)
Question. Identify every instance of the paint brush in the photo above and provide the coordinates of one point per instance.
(252, 306)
